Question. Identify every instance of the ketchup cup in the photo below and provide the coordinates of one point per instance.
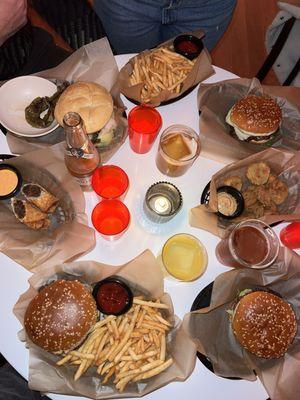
(110, 182)
(144, 123)
(111, 218)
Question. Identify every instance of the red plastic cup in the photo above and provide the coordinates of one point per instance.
(144, 123)
(111, 218)
(110, 182)
(290, 235)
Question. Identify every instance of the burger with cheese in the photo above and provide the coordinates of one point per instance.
(255, 119)
(263, 323)
(95, 106)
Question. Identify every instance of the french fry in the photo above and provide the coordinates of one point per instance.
(127, 348)
(150, 304)
(158, 70)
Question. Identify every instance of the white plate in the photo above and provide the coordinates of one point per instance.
(15, 96)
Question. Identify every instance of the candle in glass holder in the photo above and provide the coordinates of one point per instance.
(162, 202)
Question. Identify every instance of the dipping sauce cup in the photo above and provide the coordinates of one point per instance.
(110, 182)
(184, 257)
(188, 46)
(251, 244)
(144, 123)
(111, 218)
(10, 181)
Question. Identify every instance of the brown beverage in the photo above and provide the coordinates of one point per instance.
(178, 148)
(251, 244)
(81, 157)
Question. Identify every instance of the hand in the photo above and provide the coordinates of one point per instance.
(12, 17)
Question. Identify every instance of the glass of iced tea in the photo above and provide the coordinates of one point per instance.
(179, 146)
(251, 244)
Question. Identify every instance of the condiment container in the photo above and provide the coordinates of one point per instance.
(144, 123)
(113, 296)
(184, 257)
(110, 182)
(188, 46)
(230, 202)
(162, 202)
(10, 181)
(111, 218)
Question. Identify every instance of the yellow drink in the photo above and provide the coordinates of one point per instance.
(184, 257)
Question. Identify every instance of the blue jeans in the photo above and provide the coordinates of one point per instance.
(135, 25)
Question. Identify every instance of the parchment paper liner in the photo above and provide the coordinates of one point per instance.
(63, 241)
(202, 70)
(214, 102)
(211, 331)
(93, 62)
(284, 163)
(143, 274)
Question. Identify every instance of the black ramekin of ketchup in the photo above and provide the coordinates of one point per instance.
(113, 296)
(188, 46)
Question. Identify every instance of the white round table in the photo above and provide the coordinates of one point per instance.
(142, 235)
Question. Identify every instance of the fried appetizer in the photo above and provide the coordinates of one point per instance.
(39, 197)
(29, 215)
(258, 173)
(234, 181)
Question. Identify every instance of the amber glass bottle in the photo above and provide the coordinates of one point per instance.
(81, 157)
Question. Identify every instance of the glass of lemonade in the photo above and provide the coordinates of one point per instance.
(184, 257)
(179, 146)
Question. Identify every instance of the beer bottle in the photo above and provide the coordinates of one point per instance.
(81, 156)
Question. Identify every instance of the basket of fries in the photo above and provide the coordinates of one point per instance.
(161, 75)
(127, 355)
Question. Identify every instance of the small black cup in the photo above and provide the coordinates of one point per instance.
(19, 184)
(239, 201)
(191, 40)
(119, 281)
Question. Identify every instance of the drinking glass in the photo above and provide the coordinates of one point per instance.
(179, 146)
(252, 244)
(144, 123)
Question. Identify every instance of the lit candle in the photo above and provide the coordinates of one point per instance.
(162, 202)
(161, 205)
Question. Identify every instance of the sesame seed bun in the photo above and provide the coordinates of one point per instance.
(60, 316)
(90, 100)
(264, 324)
(256, 115)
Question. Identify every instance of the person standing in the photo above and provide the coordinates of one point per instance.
(135, 25)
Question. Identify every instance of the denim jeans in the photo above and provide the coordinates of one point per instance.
(134, 25)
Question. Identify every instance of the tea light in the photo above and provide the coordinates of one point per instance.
(162, 202)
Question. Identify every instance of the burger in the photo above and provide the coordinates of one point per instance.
(60, 316)
(255, 119)
(263, 323)
(95, 106)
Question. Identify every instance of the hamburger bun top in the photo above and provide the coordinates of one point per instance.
(60, 316)
(256, 115)
(264, 324)
(91, 101)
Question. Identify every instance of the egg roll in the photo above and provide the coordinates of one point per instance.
(39, 197)
(29, 215)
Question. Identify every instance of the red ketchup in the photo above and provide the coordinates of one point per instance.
(187, 47)
(290, 235)
(113, 297)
